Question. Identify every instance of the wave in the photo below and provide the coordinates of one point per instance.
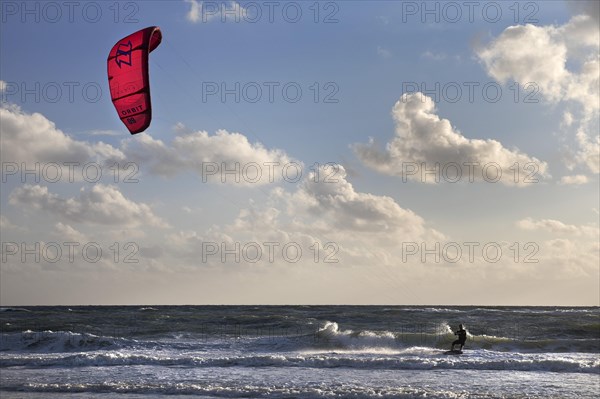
(592, 311)
(14, 310)
(415, 358)
(330, 335)
(506, 310)
(428, 309)
(330, 347)
(253, 390)
(59, 341)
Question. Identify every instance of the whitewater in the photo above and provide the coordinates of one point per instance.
(298, 352)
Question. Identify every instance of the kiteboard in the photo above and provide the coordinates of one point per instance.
(453, 352)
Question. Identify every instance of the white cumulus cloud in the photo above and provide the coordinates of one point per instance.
(557, 227)
(352, 227)
(424, 140)
(222, 157)
(30, 139)
(101, 204)
(564, 62)
(574, 180)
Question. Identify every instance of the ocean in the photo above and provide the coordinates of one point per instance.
(298, 352)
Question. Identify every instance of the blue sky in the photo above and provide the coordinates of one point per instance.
(364, 119)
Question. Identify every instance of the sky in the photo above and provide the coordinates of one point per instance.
(334, 152)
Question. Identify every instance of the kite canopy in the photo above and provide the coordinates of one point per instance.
(128, 77)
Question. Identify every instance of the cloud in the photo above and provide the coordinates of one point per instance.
(574, 180)
(543, 63)
(211, 156)
(383, 52)
(587, 7)
(152, 252)
(105, 132)
(571, 252)
(440, 56)
(67, 233)
(32, 138)
(5, 223)
(383, 19)
(226, 11)
(434, 56)
(193, 14)
(335, 202)
(362, 227)
(557, 227)
(589, 151)
(530, 53)
(423, 139)
(564, 63)
(565, 259)
(101, 204)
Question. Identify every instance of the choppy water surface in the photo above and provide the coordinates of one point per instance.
(298, 352)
